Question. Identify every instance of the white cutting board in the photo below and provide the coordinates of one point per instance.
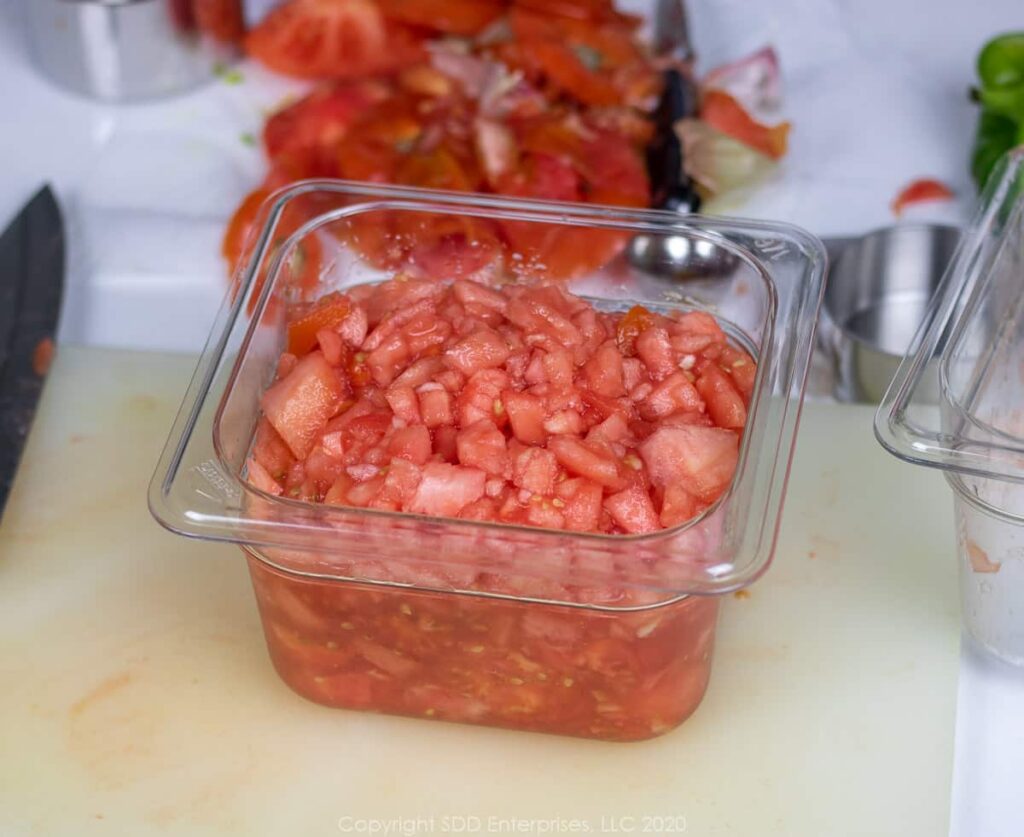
(136, 696)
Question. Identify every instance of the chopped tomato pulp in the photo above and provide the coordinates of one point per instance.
(521, 405)
(621, 676)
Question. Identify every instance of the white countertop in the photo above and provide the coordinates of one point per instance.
(877, 94)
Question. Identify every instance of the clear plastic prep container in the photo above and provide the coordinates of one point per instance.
(604, 636)
(974, 328)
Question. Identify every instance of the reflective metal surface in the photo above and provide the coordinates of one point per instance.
(123, 50)
(876, 297)
(677, 258)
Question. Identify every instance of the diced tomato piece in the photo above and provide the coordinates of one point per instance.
(698, 322)
(445, 443)
(725, 404)
(473, 293)
(482, 398)
(482, 446)
(446, 489)
(701, 459)
(672, 395)
(338, 493)
(526, 414)
(404, 403)
(387, 360)
(412, 443)
(425, 333)
(354, 327)
(451, 379)
(582, 499)
(741, 368)
(299, 406)
(541, 512)
(534, 469)
(327, 313)
(260, 478)
(603, 373)
(534, 313)
(323, 468)
(483, 349)
(419, 372)
(655, 349)
(588, 459)
(271, 451)
(678, 506)
(435, 405)
(332, 346)
(633, 510)
(363, 432)
(401, 481)
(483, 509)
(558, 367)
(615, 428)
(564, 422)
(362, 494)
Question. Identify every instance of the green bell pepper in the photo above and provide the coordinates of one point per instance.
(1001, 95)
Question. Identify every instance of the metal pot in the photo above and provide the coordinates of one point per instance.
(124, 50)
(876, 297)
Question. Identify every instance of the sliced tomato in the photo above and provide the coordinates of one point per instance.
(455, 17)
(724, 113)
(331, 39)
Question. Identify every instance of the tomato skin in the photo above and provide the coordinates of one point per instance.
(925, 189)
(455, 17)
(722, 112)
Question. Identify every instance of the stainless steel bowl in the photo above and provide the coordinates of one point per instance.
(876, 296)
(124, 50)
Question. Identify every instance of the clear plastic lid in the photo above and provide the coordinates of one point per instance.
(763, 281)
(972, 338)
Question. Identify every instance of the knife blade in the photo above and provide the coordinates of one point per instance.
(671, 187)
(31, 286)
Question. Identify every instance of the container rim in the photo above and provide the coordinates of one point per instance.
(899, 425)
(215, 507)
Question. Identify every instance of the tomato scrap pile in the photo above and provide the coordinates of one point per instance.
(523, 405)
(522, 98)
(620, 676)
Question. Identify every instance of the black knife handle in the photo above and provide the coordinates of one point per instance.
(671, 188)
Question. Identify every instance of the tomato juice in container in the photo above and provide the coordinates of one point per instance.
(483, 467)
(974, 335)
